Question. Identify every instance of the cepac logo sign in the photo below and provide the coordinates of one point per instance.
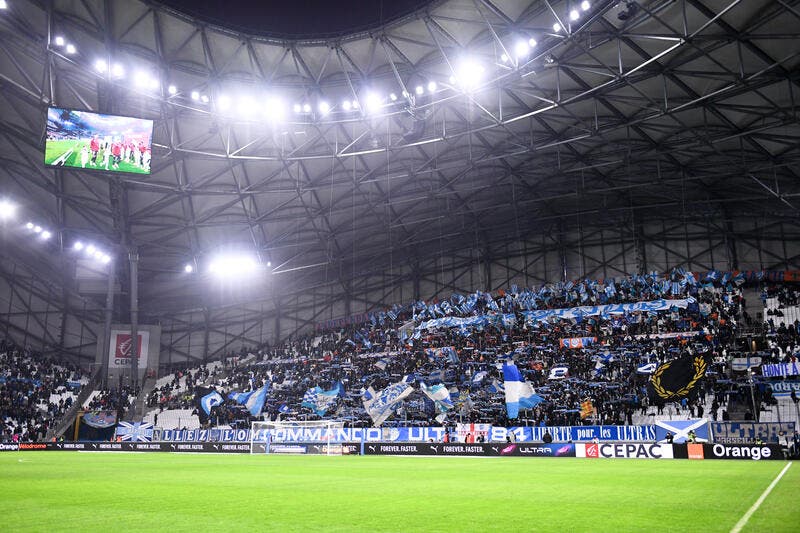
(121, 349)
(593, 450)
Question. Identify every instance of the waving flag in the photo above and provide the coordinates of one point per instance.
(253, 400)
(319, 400)
(496, 386)
(587, 409)
(440, 396)
(206, 400)
(380, 405)
(479, 376)
(519, 393)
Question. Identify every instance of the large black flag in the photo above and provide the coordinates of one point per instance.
(205, 400)
(676, 379)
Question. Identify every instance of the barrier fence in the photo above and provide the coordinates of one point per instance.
(604, 450)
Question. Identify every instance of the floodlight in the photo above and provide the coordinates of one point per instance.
(188, 269)
(141, 78)
(469, 73)
(90, 249)
(98, 255)
(521, 49)
(232, 266)
(297, 108)
(45, 235)
(574, 15)
(71, 49)
(59, 40)
(393, 97)
(306, 108)
(274, 109)
(117, 70)
(37, 229)
(173, 90)
(100, 65)
(223, 103)
(504, 58)
(556, 27)
(153, 83)
(246, 106)
(355, 104)
(532, 42)
(29, 225)
(204, 98)
(346, 105)
(195, 95)
(324, 107)
(106, 259)
(419, 90)
(585, 5)
(7, 210)
(373, 102)
(77, 246)
(431, 86)
(3, 4)
(269, 263)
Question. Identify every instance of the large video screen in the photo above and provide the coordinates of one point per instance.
(93, 141)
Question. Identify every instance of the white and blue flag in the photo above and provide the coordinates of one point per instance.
(496, 386)
(519, 393)
(210, 401)
(319, 400)
(380, 405)
(440, 396)
(136, 432)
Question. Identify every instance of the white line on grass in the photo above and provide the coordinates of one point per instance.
(743, 521)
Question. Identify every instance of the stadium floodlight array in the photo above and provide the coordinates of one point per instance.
(233, 266)
(92, 251)
(315, 437)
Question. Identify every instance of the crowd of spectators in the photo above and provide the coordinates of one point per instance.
(34, 392)
(397, 343)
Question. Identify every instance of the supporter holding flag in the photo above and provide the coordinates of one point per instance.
(206, 399)
(519, 393)
(253, 400)
(440, 396)
(381, 405)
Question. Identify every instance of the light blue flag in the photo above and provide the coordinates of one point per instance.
(253, 400)
(519, 393)
(496, 386)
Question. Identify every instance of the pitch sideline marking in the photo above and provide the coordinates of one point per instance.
(743, 521)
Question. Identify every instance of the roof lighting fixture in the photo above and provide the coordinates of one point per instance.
(188, 268)
(195, 96)
(556, 27)
(71, 49)
(78, 246)
(346, 105)
(117, 70)
(420, 90)
(574, 15)
(324, 107)
(393, 97)
(297, 108)
(532, 42)
(521, 49)
(59, 40)
(100, 66)
(585, 5)
(45, 235)
(432, 86)
(223, 103)
(7, 210)
(174, 90)
(204, 98)
(306, 108)
(29, 225)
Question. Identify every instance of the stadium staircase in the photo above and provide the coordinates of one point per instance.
(136, 412)
(68, 420)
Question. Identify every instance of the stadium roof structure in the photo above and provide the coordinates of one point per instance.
(469, 144)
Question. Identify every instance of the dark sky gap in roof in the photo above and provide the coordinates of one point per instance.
(298, 18)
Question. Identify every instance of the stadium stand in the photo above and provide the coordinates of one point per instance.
(34, 392)
(609, 361)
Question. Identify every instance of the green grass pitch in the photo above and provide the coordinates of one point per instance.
(69, 491)
(55, 149)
